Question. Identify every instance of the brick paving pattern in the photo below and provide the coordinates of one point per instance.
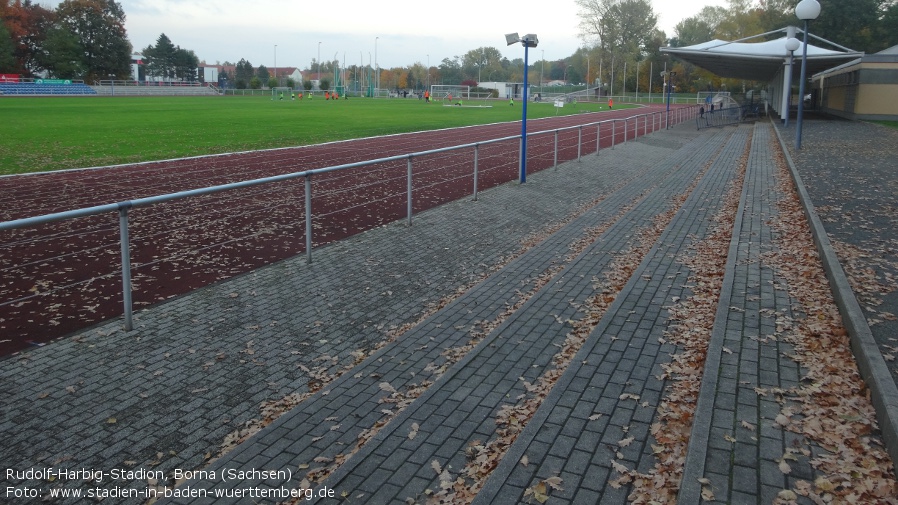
(198, 367)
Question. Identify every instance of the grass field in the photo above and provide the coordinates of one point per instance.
(41, 134)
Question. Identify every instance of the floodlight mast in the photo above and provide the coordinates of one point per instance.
(528, 41)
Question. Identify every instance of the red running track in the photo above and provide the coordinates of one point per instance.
(61, 277)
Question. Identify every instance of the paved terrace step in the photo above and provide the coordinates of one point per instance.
(742, 464)
(200, 365)
(613, 387)
(327, 426)
(460, 410)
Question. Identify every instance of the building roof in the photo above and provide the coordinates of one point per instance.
(758, 61)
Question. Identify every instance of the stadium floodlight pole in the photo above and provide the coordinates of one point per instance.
(806, 10)
(276, 62)
(376, 73)
(528, 41)
(319, 63)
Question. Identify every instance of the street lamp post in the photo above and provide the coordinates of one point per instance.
(528, 41)
(669, 79)
(791, 45)
(276, 63)
(376, 73)
(806, 10)
(319, 63)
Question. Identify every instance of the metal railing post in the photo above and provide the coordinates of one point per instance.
(555, 159)
(409, 184)
(308, 219)
(626, 125)
(613, 131)
(579, 141)
(645, 126)
(126, 265)
(476, 158)
(598, 137)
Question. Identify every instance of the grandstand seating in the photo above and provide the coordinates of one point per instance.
(42, 89)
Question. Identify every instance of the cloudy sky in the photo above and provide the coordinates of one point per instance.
(400, 33)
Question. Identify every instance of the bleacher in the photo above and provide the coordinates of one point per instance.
(45, 89)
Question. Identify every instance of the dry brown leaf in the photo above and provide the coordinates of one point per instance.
(784, 467)
(554, 483)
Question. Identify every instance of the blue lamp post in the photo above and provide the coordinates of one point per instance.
(527, 41)
(806, 10)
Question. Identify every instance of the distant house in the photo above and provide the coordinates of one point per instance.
(865, 88)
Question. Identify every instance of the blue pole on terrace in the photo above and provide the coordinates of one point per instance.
(527, 41)
(523, 177)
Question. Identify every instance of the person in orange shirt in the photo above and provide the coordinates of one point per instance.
(610, 104)
(427, 96)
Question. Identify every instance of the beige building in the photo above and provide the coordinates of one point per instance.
(865, 88)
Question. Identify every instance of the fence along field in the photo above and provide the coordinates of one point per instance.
(64, 276)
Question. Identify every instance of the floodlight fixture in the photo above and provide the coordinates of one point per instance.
(528, 41)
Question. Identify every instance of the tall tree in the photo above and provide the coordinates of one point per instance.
(7, 52)
(186, 63)
(99, 26)
(622, 30)
(160, 59)
(851, 24)
(27, 25)
(63, 54)
(243, 74)
(263, 74)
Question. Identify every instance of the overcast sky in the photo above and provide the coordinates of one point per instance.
(401, 33)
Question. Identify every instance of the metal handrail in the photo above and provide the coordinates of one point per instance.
(123, 208)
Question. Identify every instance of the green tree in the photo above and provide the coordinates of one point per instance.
(255, 83)
(307, 85)
(26, 24)
(691, 31)
(186, 63)
(160, 59)
(99, 26)
(451, 71)
(263, 74)
(272, 82)
(243, 73)
(63, 54)
(852, 24)
(324, 84)
(7, 49)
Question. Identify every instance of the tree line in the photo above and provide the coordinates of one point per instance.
(86, 39)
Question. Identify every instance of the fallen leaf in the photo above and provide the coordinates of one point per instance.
(785, 468)
(554, 483)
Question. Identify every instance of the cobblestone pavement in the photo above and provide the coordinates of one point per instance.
(409, 342)
(849, 170)
(197, 368)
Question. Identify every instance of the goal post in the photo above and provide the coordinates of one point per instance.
(449, 92)
(281, 92)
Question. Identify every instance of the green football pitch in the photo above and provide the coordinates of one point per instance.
(41, 134)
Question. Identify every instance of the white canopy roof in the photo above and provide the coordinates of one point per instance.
(757, 61)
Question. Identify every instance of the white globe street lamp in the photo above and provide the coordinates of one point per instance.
(806, 10)
(792, 44)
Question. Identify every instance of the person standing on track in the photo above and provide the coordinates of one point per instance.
(610, 104)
